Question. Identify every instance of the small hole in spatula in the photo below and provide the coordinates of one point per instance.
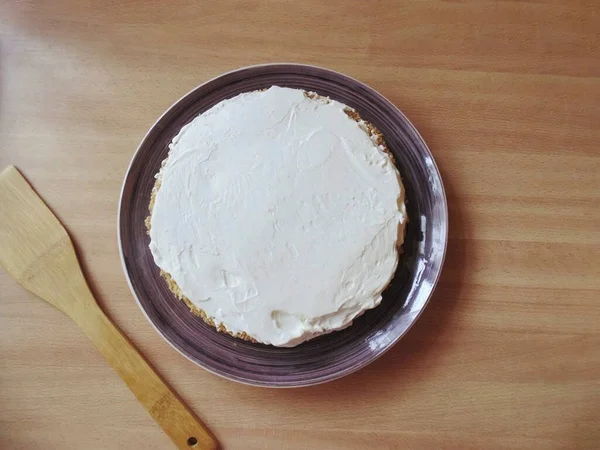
(192, 442)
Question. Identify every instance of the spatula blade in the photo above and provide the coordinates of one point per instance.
(35, 249)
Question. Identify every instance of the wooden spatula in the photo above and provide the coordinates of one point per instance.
(37, 251)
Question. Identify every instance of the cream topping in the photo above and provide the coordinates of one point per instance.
(278, 216)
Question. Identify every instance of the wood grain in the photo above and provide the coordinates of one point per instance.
(506, 94)
(37, 252)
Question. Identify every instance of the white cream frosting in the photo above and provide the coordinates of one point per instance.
(278, 216)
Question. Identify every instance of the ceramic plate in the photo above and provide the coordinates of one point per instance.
(327, 357)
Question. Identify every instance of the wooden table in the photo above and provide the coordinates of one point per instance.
(507, 95)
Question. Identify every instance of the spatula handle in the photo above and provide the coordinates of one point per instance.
(180, 424)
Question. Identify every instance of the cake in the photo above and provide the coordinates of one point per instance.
(277, 216)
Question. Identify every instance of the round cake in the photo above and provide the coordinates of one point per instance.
(278, 216)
